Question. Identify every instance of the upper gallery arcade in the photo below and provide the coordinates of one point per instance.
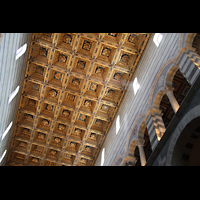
(99, 99)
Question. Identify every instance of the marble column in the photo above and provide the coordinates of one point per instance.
(169, 91)
(140, 144)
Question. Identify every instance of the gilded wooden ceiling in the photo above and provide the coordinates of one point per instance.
(73, 86)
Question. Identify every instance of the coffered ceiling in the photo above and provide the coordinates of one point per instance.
(73, 86)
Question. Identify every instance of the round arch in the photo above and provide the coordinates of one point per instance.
(142, 129)
(189, 116)
(186, 40)
(189, 40)
(160, 81)
(158, 98)
(133, 133)
(117, 161)
(170, 75)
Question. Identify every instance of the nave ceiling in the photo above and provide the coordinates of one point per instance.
(73, 86)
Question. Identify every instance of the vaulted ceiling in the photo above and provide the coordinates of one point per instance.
(73, 86)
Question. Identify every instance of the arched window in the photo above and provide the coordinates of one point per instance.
(102, 156)
(157, 39)
(4, 153)
(7, 130)
(20, 51)
(135, 85)
(117, 124)
(13, 94)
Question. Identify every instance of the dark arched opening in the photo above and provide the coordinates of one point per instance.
(187, 149)
(147, 149)
(181, 88)
(196, 43)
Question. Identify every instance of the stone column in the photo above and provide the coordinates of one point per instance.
(169, 91)
(140, 143)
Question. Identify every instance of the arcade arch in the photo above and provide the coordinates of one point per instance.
(187, 131)
(117, 161)
(180, 88)
(186, 150)
(140, 150)
(188, 43)
(172, 82)
(186, 66)
(196, 42)
(146, 146)
(152, 124)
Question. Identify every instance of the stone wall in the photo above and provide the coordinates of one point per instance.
(12, 72)
(135, 104)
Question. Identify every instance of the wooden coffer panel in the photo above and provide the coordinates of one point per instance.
(73, 86)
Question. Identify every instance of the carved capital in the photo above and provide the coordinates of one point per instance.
(156, 110)
(140, 142)
(129, 159)
(168, 89)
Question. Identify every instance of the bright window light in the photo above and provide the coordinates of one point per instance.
(102, 156)
(117, 124)
(135, 85)
(13, 94)
(20, 51)
(157, 38)
(7, 130)
(4, 153)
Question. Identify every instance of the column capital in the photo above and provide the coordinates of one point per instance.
(154, 111)
(168, 89)
(157, 110)
(129, 159)
(132, 162)
(140, 142)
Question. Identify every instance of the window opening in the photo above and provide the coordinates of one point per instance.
(117, 124)
(102, 156)
(4, 153)
(13, 94)
(135, 85)
(20, 51)
(7, 130)
(157, 39)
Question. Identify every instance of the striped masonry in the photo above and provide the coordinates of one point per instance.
(186, 63)
(152, 127)
(160, 123)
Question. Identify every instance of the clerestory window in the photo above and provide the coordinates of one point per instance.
(157, 38)
(13, 94)
(20, 51)
(7, 130)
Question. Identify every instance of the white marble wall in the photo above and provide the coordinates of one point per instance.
(11, 75)
(133, 105)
